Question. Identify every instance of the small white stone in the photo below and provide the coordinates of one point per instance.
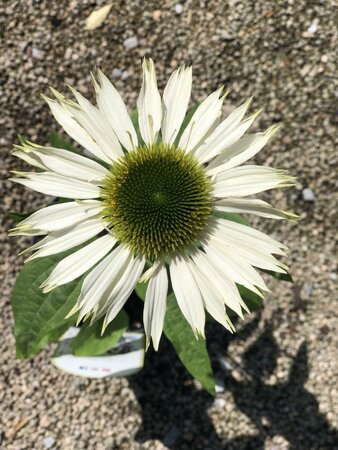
(219, 386)
(131, 42)
(178, 8)
(225, 365)
(313, 28)
(308, 195)
(157, 15)
(68, 53)
(219, 403)
(37, 54)
(117, 73)
(48, 442)
(125, 74)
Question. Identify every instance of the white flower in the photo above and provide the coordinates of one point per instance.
(152, 204)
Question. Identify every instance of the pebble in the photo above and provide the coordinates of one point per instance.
(219, 386)
(48, 442)
(68, 53)
(308, 195)
(179, 8)
(157, 14)
(219, 403)
(125, 74)
(117, 73)
(37, 54)
(313, 28)
(130, 43)
(44, 421)
(225, 365)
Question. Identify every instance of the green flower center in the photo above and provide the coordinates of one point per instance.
(157, 200)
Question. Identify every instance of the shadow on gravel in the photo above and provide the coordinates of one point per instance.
(284, 409)
(175, 412)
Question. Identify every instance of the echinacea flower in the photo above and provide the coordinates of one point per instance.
(152, 202)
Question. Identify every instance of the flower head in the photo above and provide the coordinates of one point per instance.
(152, 203)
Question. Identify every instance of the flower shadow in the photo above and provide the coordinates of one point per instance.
(284, 409)
(174, 411)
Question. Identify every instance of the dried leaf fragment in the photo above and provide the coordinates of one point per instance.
(97, 17)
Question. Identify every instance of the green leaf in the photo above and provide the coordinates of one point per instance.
(252, 300)
(40, 318)
(231, 216)
(58, 141)
(90, 342)
(193, 353)
(280, 276)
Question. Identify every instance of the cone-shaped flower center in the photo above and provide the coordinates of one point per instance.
(157, 200)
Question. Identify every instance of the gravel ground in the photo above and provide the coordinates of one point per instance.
(278, 375)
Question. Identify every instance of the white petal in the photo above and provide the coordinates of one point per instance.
(219, 141)
(122, 290)
(241, 151)
(235, 266)
(213, 302)
(256, 247)
(176, 98)
(248, 180)
(26, 232)
(187, 294)
(113, 107)
(29, 158)
(149, 104)
(100, 281)
(59, 241)
(155, 304)
(58, 186)
(97, 125)
(59, 216)
(64, 117)
(238, 233)
(202, 120)
(251, 206)
(63, 162)
(79, 262)
(225, 285)
(253, 254)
